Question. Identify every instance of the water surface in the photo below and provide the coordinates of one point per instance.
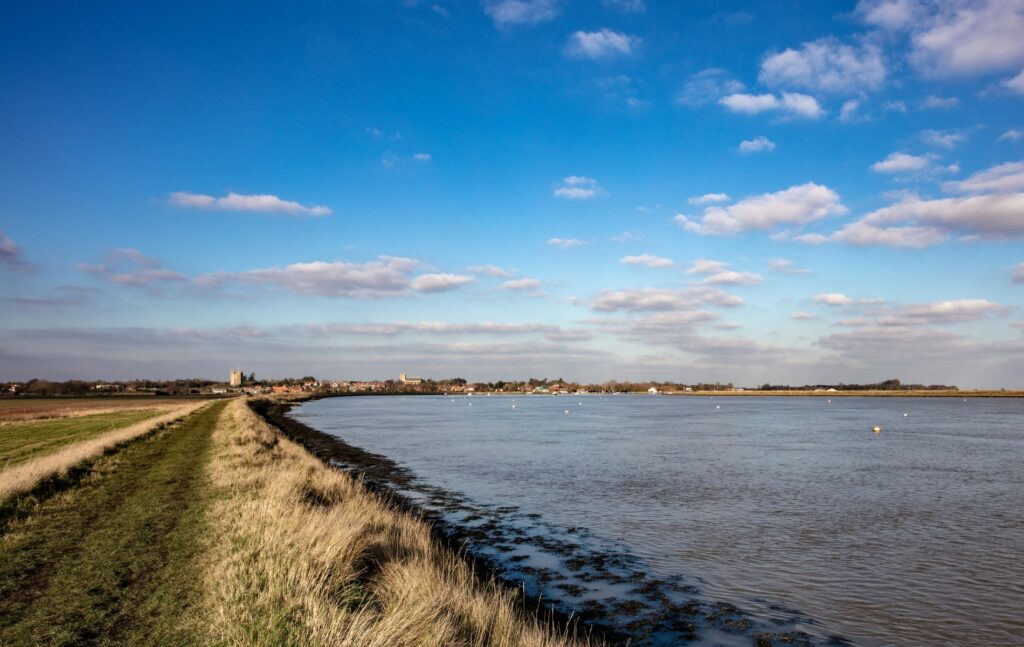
(914, 535)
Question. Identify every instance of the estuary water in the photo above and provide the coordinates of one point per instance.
(911, 536)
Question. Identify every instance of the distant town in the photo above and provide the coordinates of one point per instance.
(239, 382)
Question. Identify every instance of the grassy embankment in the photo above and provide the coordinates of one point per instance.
(220, 531)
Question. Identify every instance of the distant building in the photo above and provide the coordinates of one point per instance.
(405, 379)
(236, 378)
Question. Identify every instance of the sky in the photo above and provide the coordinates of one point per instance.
(746, 192)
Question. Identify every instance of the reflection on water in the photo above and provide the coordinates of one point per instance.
(911, 536)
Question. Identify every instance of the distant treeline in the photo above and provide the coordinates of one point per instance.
(43, 388)
(887, 385)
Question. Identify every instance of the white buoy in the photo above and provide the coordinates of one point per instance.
(567, 411)
(470, 404)
(580, 403)
(718, 406)
(905, 415)
(513, 406)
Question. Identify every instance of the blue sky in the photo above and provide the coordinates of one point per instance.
(738, 191)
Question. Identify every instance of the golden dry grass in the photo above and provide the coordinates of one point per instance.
(24, 476)
(302, 554)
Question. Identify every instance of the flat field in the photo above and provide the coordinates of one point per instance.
(21, 441)
(22, 409)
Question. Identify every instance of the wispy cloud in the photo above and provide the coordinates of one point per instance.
(785, 266)
(649, 260)
(566, 243)
(386, 276)
(757, 145)
(903, 163)
(1017, 274)
(933, 102)
(708, 86)
(602, 44)
(11, 255)
(266, 203)
(654, 299)
(491, 270)
(132, 268)
(578, 187)
(709, 198)
(826, 65)
(508, 13)
(521, 285)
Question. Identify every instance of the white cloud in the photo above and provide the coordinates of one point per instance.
(1012, 135)
(964, 37)
(943, 312)
(895, 106)
(706, 266)
(998, 179)
(506, 13)
(902, 163)
(826, 66)
(386, 276)
(709, 198)
(942, 139)
(791, 104)
(863, 233)
(891, 15)
(1017, 273)
(490, 270)
(439, 282)
(650, 260)
(654, 300)
(708, 86)
(566, 243)
(577, 187)
(521, 285)
(245, 202)
(1016, 83)
(932, 102)
(849, 111)
(994, 215)
(802, 316)
(833, 299)
(423, 157)
(797, 205)
(625, 237)
(756, 145)
(602, 44)
(731, 277)
(785, 266)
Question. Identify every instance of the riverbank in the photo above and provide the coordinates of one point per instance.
(596, 579)
(218, 530)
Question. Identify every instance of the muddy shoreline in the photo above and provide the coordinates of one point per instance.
(572, 578)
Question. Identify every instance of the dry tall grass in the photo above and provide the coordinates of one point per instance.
(304, 555)
(25, 476)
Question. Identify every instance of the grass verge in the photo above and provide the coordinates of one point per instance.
(304, 555)
(115, 559)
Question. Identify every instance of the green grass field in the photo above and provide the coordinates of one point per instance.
(21, 441)
(111, 561)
